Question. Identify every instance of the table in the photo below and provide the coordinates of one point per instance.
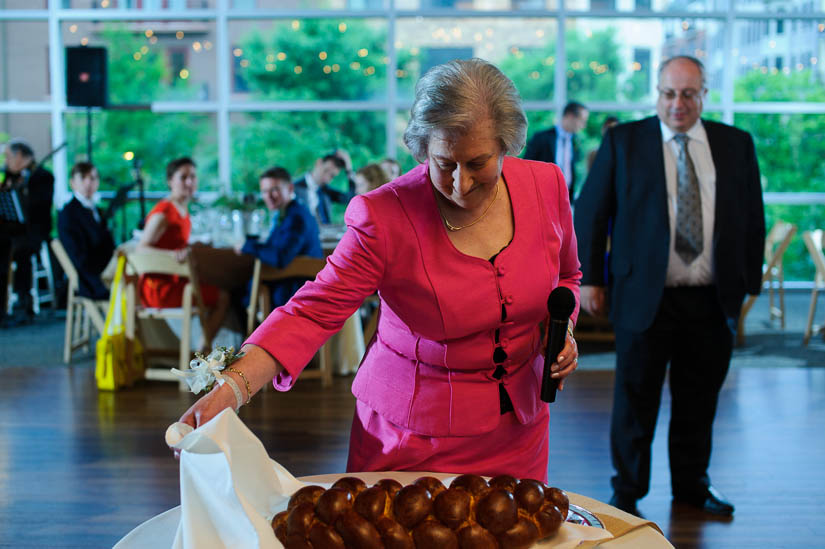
(629, 532)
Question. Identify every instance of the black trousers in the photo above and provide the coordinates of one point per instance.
(20, 250)
(690, 332)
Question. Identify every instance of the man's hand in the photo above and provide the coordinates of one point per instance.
(344, 155)
(593, 300)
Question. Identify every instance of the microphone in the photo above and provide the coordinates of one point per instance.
(560, 305)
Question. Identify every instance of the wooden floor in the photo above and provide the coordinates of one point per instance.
(79, 468)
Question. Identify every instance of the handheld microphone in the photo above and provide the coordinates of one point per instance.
(560, 305)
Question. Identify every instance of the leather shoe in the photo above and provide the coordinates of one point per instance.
(711, 501)
(626, 504)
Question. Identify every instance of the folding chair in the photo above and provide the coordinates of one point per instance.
(141, 262)
(260, 303)
(813, 241)
(776, 244)
(81, 312)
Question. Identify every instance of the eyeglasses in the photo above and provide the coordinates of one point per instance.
(688, 94)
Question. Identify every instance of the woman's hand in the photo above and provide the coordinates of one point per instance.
(207, 407)
(258, 366)
(566, 362)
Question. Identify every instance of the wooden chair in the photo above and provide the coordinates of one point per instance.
(260, 303)
(776, 244)
(140, 262)
(82, 313)
(813, 241)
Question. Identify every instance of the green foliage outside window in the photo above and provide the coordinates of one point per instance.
(790, 146)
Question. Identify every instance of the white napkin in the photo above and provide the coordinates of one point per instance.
(229, 487)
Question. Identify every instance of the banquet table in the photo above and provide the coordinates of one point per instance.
(629, 532)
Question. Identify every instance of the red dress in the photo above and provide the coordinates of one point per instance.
(159, 290)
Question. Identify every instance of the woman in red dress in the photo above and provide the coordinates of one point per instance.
(167, 228)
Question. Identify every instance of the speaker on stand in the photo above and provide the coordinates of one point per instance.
(86, 83)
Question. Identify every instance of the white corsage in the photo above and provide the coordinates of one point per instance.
(205, 371)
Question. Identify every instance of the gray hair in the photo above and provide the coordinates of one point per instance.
(688, 58)
(454, 96)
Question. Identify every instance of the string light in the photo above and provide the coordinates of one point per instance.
(298, 69)
(363, 52)
(237, 52)
(540, 33)
(322, 55)
(144, 50)
(336, 67)
(270, 67)
(327, 69)
(137, 55)
(772, 44)
(296, 25)
(179, 35)
(355, 65)
(478, 37)
(153, 40)
(184, 74)
(104, 4)
(196, 46)
(84, 41)
(148, 33)
(342, 27)
(534, 75)
(281, 56)
(207, 44)
(128, 155)
(244, 63)
(270, 58)
(73, 29)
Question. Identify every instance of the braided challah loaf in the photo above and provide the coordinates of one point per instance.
(472, 513)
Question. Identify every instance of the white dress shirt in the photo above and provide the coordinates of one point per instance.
(312, 194)
(700, 271)
(88, 204)
(564, 154)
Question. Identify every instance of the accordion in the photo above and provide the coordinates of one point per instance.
(11, 207)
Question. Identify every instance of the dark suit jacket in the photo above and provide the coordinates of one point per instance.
(295, 234)
(542, 146)
(626, 186)
(36, 201)
(89, 244)
(326, 196)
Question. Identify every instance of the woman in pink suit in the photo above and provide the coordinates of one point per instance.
(463, 251)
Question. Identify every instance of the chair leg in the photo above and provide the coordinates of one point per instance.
(67, 336)
(740, 330)
(186, 335)
(781, 296)
(811, 311)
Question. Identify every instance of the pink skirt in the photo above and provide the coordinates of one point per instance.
(512, 448)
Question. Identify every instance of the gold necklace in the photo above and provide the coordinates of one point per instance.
(454, 228)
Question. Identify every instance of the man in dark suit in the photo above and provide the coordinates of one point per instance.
(313, 188)
(294, 232)
(558, 144)
(83, 232)
(34, 186)
(688, 230)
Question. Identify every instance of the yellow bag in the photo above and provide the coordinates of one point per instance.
(119, 358)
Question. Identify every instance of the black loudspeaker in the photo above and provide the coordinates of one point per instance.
(86, 82)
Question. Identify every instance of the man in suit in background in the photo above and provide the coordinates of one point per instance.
(313, 188)
(34, 186)
(82, 230)
(688, 231)
(294, 232)
(558, 144)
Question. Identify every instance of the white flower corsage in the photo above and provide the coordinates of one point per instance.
(205, 371)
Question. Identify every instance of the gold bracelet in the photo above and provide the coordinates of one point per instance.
(570, 331)
(243, 377)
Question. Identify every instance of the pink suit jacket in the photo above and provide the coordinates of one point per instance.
(429, 368)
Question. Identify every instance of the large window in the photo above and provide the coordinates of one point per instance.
(243, 84)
